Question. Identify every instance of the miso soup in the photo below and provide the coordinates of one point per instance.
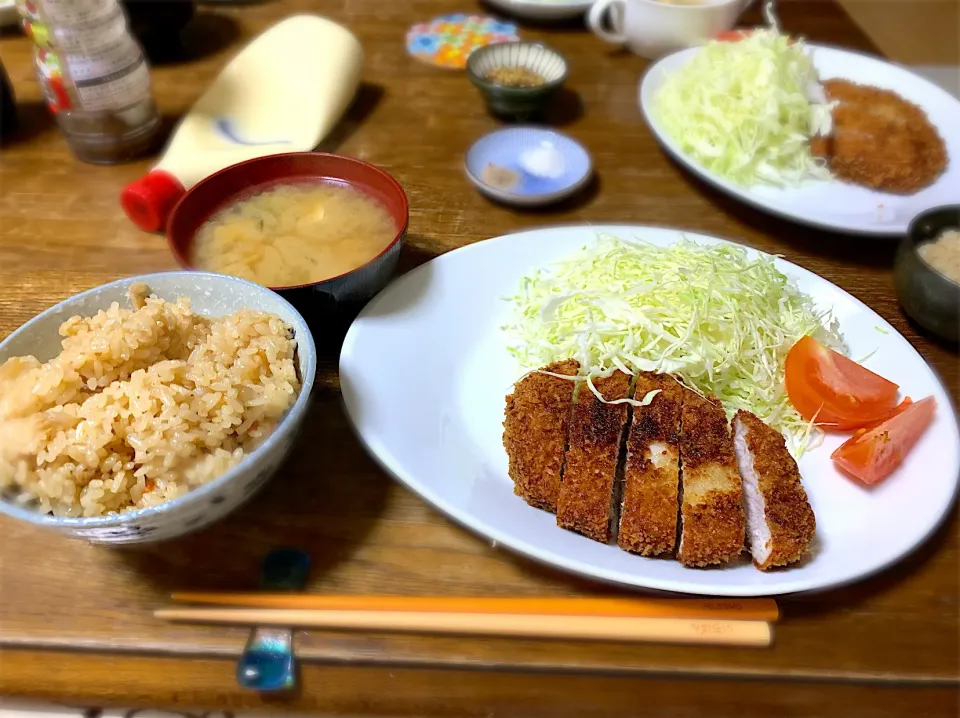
(294, 234)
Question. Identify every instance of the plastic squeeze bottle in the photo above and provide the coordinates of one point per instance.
(283, 92)
(94, 76)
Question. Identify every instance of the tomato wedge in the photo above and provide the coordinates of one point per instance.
(737, 35)
(872, 455)
(898, 409)
(834, 391)
(732, 35)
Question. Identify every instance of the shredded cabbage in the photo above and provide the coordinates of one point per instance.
(746, 110)
(721, 322)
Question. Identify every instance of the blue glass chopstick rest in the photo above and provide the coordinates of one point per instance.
(267, 662)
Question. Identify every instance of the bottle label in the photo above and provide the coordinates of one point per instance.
(110, 78)
(86, 58)
(51, 77)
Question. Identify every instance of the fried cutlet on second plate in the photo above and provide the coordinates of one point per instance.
(880, 140)
(588, 496)
(651, 477)
(780, 522)
(535, 432)
(711, 517)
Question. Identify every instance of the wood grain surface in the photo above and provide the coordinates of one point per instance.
(882, 645)
(912, 32)
(399, 691)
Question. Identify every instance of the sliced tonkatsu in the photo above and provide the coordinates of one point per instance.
(780, 522)
(588, 491)
(664, 477)
(651, 477)
(711, 516)
(535, 432)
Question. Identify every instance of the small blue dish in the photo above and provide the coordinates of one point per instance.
(528, 166)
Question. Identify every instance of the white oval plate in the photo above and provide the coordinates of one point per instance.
(833, 204)
(424, 372)
(543, 9)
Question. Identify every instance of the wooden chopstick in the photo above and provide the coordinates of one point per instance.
(750, 609)
(609, 628)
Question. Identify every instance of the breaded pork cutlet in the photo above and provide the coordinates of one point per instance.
(535, 432)
(711, 517)
(880, 140)
(651, 477)
(780, 522)
(588, 496)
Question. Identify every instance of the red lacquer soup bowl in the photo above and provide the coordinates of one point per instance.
(333, 297)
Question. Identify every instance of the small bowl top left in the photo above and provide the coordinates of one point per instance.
(245, 179)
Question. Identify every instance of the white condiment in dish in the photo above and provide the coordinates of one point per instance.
(543, 161)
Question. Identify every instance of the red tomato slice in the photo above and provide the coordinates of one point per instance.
(737, 35)
(898, 409)
(839, 393)
(872, 455)
(731, 35)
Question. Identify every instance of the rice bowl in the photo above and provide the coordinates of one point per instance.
(157, 413)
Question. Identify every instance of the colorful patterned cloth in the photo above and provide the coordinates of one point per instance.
(448, 40)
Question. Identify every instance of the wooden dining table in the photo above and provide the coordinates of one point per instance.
(76, 620)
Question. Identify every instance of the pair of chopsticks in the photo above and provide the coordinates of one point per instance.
(734, 622)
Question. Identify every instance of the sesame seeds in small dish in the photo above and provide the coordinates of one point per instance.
(517, 79)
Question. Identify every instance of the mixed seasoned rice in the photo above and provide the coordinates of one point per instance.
(141, 405)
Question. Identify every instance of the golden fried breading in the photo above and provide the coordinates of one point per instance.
(651, 479)
(711, 517)
(880, 140)
(588, 497)
(535, 432)
(779, 518)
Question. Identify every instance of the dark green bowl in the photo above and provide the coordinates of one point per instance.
(932, 300)
(519, 103)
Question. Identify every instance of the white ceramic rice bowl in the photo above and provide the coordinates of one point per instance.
(212, 295)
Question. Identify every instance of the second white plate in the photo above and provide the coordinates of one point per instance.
(424, 372)
(834, 204)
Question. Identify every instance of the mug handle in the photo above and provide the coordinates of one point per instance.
(597, 13)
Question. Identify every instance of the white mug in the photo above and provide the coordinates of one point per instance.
(652, 28)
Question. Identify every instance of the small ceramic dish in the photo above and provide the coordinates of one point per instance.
(930, 298)
(515, 62)
(545, 10)
(211, 295)
(317, 300)
(528, 166)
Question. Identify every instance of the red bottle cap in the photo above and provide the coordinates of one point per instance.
(149, 200)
